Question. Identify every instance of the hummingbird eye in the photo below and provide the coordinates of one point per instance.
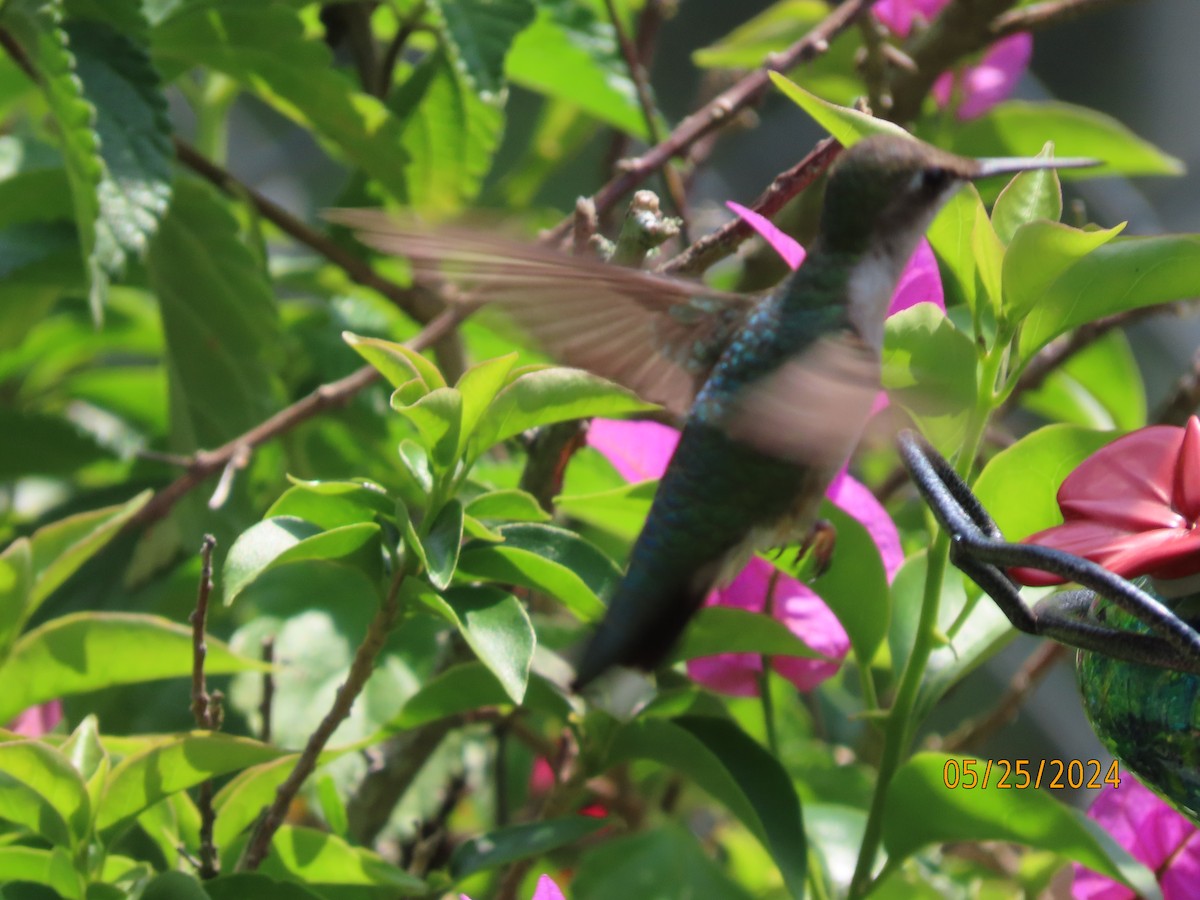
(934, 179)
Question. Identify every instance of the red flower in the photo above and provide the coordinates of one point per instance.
(1132, 507)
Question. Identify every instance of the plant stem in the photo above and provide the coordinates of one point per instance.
(900, 723)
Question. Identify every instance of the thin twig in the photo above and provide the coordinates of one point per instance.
(1044, 15)
(1024, 681)
(356, 678)
(410, 25)
(720, 110)
(327, 396)
(637, 73)
(204, 707)
(722, 242)
(874, 63)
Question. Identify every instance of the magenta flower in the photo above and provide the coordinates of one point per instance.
(980, 86)
(641, 451)
(1154, 833)
(546, 890)
(38, 720)
(1133, 507)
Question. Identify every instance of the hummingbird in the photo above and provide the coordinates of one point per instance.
(773, 391)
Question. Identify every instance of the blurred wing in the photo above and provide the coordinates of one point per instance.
(812, 409)
(656, 335)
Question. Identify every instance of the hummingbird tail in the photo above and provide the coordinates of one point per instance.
(642, 638)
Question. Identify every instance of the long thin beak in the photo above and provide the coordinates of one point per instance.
(1007, 165)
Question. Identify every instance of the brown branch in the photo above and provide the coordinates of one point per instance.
(205, 707)
(1045, 15)
(724, 240)
(266, 706)
(356, 678)
(720, 110)
(328, 396)
(1024, 681)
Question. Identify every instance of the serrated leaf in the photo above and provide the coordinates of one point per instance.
(571, 54)
(219, 319)
(480, 33)
(442, 544)
(84, 652)
(1021, 128)
(264, 48)
(989, 812)
(507, 845)
(735, 770)
(450, 132)
(546, 396)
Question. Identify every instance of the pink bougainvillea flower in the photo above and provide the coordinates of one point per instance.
(793, 603)
(785, 245)
(1133, 507)
(38, 720)
(980, 86)
(992, 79)
(546, 890)
(1154, 833)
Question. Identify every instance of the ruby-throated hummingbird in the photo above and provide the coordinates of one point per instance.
(773, 391)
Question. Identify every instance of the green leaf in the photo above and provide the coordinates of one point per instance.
(87, 651)
(480, 33)
(1098, 387)
(478, 387)
(176, 886)
(665, 861)
(507, 845)
(220, 321)
(260, 887)
(929, 369)
(60, 548)
(467, 687)
(1039, 254)
(1127, 273)
(314, 857)
(849, 126)
(177, 763)
(991, 813)
(450, 132)
(16, 590)
(571, 54)
(735, 770)
(438, 418)
(495, 625)
(507, 505)
(49, 445)
(1019, 484)
(37, 27)
(778, 26)
(40, 789)
(263, 47)
(279, 541)
(332, 504)
(1030, 196)
(132, 130)
(443, 543)
(989, 255)
(396, 362)
(621, 511)
(551, 395)
(52, 867)
(39, 262)
(725, 629)
(548, 559)
(1021, 128)
(242, 798)
(952, 236)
